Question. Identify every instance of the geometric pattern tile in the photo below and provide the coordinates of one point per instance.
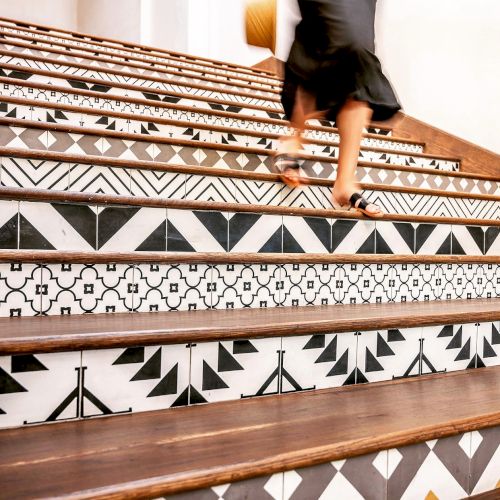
(488, 344)
(432, 469)
(135, 379)
(318, 361)
(39, 388)
(236, 369)
(485, 460)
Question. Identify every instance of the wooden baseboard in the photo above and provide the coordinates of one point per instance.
(272, 64)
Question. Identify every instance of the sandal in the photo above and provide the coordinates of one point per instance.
(284, 162)
(361, 204)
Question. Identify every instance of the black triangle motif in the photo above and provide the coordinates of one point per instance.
(488, 351)
(111, 126)
(151, 369)
(495, 335)
(407, 232)
(8, 233)
(490, 237)
(211, 381)
(330, 352)
(239, 225)
(394, 335)
(2, 412)
(464, 353)
(103, 120)
(196, 137)
(422, 234)
(216, 223)
(167, 385)
(81, 218)
(447, 331)
(8, 385)
(456, 247)
(456, 341)
(381, 245)
(243, 347)
(26, 363)
(274, 243)
(111, 220)
(445, 248)
(478, 235)
(183, 399)
(152, 127)
(130, 355)
(369, 245)
(226, 362)
(315, 342)
(144, 130)
(351, 379)
(195, 397)
(479, 362)
(360, 377)
(371, 363)
(175, 241)
(49, 118)
(156, 241)
(322, 229)
(383, 348)
(31, 238)
(290, 244)
(341, 366)
(340, 230)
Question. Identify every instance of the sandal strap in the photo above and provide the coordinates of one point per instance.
(358, 201)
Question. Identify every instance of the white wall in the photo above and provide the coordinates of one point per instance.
(443, 57)
(58, 13)
(118, 19)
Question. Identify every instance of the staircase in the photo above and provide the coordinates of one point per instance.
(157, 280)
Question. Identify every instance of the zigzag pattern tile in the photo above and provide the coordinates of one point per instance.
(73, 227)
(144, 82)
(122, 66)
(74, 45)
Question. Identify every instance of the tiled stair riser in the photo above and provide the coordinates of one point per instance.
(446, 468)
(142, 149)
(71, 227)
(54, 289)
(37, 388)
(187, 77)
(46, 114)
(58, 175)
(120, 55)
(100, 73)
(233, 138)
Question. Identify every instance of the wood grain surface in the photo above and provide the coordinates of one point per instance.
(98, 331)
(155, 453)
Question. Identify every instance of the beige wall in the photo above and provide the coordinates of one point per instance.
(60, 13)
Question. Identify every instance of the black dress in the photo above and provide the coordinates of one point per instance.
(333, 57)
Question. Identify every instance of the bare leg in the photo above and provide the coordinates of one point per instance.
(351, 119)
(304, 108)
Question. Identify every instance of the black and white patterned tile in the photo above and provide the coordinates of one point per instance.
(466, 281)
(488, 344)
(252, 192)
(210, 188)
(21, 289)
(319, 361)
(32, 173)
(485, 460)
(9, 224)
(236, 369)
(258, 488)
(196, 231)
(394, 238)
(135, 379)
(388, 354)
(80, 288)
(432, 239)
(432, 469)
(160, 287)
(412, 282)
(351, 236)
(127, 229)
(492, 241)
(46, 226)
(358, 478)
(158, 184)
(307, 234)
(243, 285)
(248, 232)
(39, 388)
(448, 348)
(99, 179)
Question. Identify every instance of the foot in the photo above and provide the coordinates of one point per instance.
(345, 199)
(286, 161)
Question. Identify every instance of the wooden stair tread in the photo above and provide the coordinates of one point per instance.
(167, 451)
(59, 333)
